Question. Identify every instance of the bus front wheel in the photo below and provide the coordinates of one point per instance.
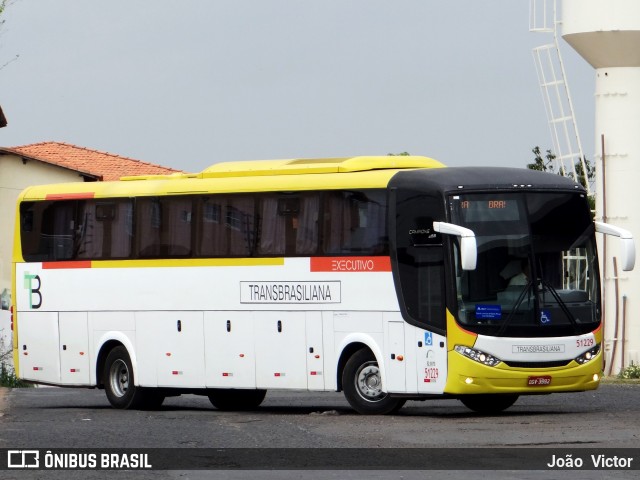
(487, 403)
(362, 385)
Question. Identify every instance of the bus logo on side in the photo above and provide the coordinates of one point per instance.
(33, 284)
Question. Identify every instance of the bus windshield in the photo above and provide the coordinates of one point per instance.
(536, 272)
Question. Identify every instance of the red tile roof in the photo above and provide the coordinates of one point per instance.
(102, 165)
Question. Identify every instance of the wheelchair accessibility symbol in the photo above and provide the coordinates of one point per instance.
(545, 317)
(428, 339)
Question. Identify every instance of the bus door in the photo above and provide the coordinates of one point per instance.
(431, 345)
(420, 281)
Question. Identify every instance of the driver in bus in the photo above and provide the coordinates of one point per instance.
(517, 272)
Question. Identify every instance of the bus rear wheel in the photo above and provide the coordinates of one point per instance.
(119, 383)
(362, 385)
(232, 399)
(488, 403)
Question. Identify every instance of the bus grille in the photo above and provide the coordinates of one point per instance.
(557, 363)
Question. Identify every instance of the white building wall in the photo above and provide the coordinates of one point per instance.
(606, 33)
(15, 175)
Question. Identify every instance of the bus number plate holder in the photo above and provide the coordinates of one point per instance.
(539, 381)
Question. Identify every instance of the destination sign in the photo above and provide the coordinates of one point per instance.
(489, 208)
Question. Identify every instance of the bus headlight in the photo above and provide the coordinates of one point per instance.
(588, 355)
(477, 355)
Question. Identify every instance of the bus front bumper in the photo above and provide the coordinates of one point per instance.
(467, 376)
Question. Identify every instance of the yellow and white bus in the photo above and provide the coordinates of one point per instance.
(387, 278)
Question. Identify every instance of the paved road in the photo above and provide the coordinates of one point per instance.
(77, 418)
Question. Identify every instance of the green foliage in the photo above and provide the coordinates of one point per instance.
(7, 374)
(632, 371)
(582, 178)
(8, 378)
(545, 164)
(540, 163)
(3, 5)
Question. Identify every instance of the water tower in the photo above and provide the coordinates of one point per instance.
(606, 33)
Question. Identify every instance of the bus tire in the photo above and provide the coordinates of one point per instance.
(119, 382)
(489, 403)
(362, 386)
(236, 399)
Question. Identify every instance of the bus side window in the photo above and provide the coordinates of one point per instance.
(289, 224)
(355, 223)
(104, 229)
(422, 279)
(30, 219)
(164, 226)
(148, 226)
(57, 230)
(225, 226)
(240, 224)
(306, 228)
(420, 257)
(271, 238)
(176, 226)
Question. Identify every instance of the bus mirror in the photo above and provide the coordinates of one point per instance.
(627, 244)
(468, 249)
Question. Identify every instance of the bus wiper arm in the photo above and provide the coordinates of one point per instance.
(506, 323)
(561, 303)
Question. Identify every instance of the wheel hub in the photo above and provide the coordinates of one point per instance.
(369, 383)
(119, 378)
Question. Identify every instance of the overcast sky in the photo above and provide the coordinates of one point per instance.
(193, 82)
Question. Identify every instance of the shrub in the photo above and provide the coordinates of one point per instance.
(7, 374)
(632, 371)
(8, 378)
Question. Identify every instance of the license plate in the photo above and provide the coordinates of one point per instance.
(542, 381)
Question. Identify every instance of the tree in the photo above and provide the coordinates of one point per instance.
(582, 178)
(545, 164)
(542, 164)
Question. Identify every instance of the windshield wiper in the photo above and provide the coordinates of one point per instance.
(561, 303)
(516, 305)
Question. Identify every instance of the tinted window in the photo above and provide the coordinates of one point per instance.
(355, 223)
(226, 225)
(163, 226)
(420, 259)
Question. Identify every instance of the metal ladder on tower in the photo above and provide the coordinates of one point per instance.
(552, 79)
